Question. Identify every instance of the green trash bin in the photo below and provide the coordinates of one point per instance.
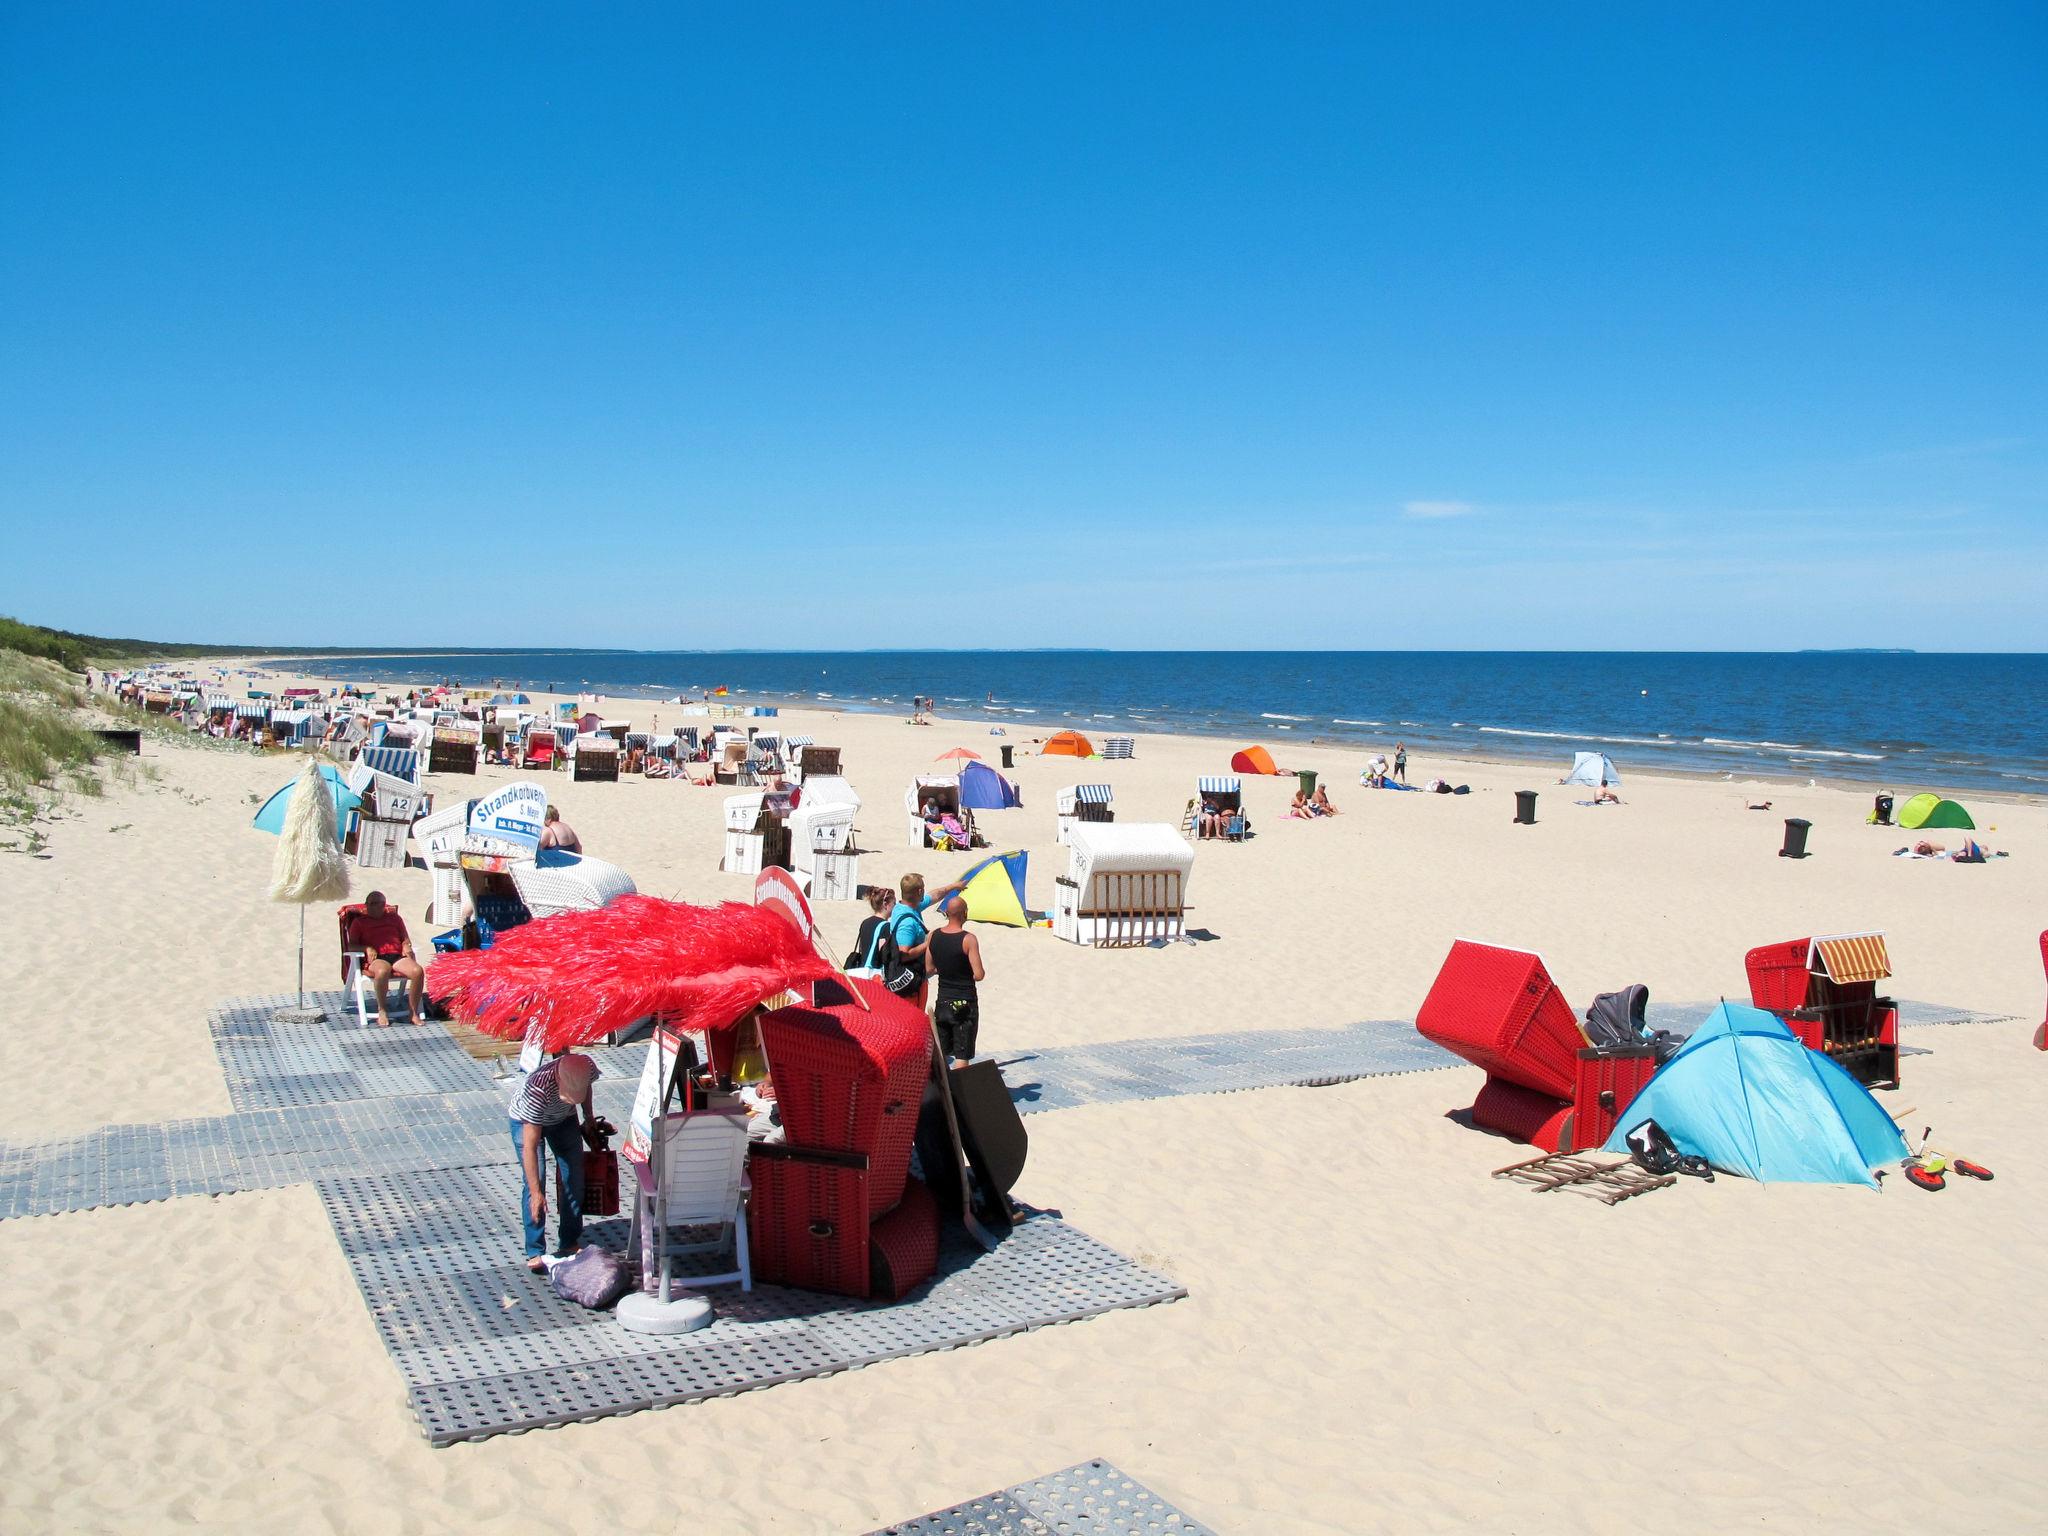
(1308, 781)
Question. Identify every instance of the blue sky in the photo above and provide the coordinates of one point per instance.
(1643, 326)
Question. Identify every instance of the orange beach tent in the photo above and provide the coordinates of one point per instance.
(1253, 760)
(1068, 744)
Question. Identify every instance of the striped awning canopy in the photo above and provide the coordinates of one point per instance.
(220, 702)
(250, 710)
(799, 741)
(1093, 794)
(399, 762)
(1852, 957)
(1225, 786)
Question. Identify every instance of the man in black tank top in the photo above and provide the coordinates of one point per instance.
(955, 955)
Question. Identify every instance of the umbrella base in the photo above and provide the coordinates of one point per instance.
(683, 1312)
(299, 1016)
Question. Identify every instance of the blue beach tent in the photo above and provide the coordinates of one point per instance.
(269, 816)
(983, 789)
(1744, 1094)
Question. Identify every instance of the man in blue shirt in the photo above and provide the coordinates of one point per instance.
(907, 927)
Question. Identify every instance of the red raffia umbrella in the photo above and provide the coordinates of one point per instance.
(958, 752)
(580, 975)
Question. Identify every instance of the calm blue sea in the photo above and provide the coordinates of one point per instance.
(1907, 721)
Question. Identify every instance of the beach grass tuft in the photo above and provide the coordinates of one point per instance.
(46, 747)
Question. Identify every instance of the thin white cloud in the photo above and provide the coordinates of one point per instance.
(1437, 508)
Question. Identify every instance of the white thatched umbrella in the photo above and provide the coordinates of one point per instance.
(309, 865)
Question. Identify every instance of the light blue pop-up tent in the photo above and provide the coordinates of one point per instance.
(1594, 768)
(1744, 1094)
(269, 816)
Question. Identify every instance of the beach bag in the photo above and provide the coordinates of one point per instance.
(898, 974)
(861, 956)
(1651, 1148)
(595, 1278)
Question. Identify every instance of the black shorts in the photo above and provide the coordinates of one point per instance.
(958, 1017)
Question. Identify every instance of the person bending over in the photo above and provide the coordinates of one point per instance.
(387, 952)
(543, 1111)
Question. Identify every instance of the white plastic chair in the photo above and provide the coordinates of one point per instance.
(704, 1168)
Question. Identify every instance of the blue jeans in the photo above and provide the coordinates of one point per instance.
(567, 1142)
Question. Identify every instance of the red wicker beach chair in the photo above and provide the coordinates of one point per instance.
(2041, 1034)
(807, 1218)
(1545, 1084)
(1499, 1009)
(1825, 990)
(849, 1079)
(903, 1246)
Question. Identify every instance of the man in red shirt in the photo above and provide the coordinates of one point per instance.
(380, 934)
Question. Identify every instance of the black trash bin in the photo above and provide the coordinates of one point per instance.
(1525, 807)
(1008, 748)
(1883, 814)
(1795, 838)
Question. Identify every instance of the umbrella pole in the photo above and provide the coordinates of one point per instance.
(302, 1014)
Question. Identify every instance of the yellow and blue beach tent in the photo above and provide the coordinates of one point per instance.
(994, 891)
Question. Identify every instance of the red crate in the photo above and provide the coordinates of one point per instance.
(807, 1218)
(850, 1079)
(1499, 1009)
(903, 1246)
(1608, 1080)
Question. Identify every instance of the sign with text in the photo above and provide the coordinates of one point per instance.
(656, 1072)
(511, 816)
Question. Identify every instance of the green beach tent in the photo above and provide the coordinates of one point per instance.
(1931, 811)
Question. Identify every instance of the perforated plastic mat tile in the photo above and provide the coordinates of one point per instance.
(1064, 1077)
(338, 1100)
(271, 1064)
(486, 1348)
(1091, 1499)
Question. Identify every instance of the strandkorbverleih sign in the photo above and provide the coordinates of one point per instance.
(508, 820)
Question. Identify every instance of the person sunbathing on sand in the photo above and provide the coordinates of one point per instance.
(1319, 803)
(1299, 807)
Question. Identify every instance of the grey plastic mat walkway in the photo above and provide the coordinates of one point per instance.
(409, 1097)
(1093, 1498)
(486, 1348)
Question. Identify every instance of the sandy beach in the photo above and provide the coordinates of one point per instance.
(1377, 1335)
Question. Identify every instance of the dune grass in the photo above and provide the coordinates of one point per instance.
(46, 746)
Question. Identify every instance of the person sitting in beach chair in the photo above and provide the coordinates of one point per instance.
(1209, 818)
(378, 934)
